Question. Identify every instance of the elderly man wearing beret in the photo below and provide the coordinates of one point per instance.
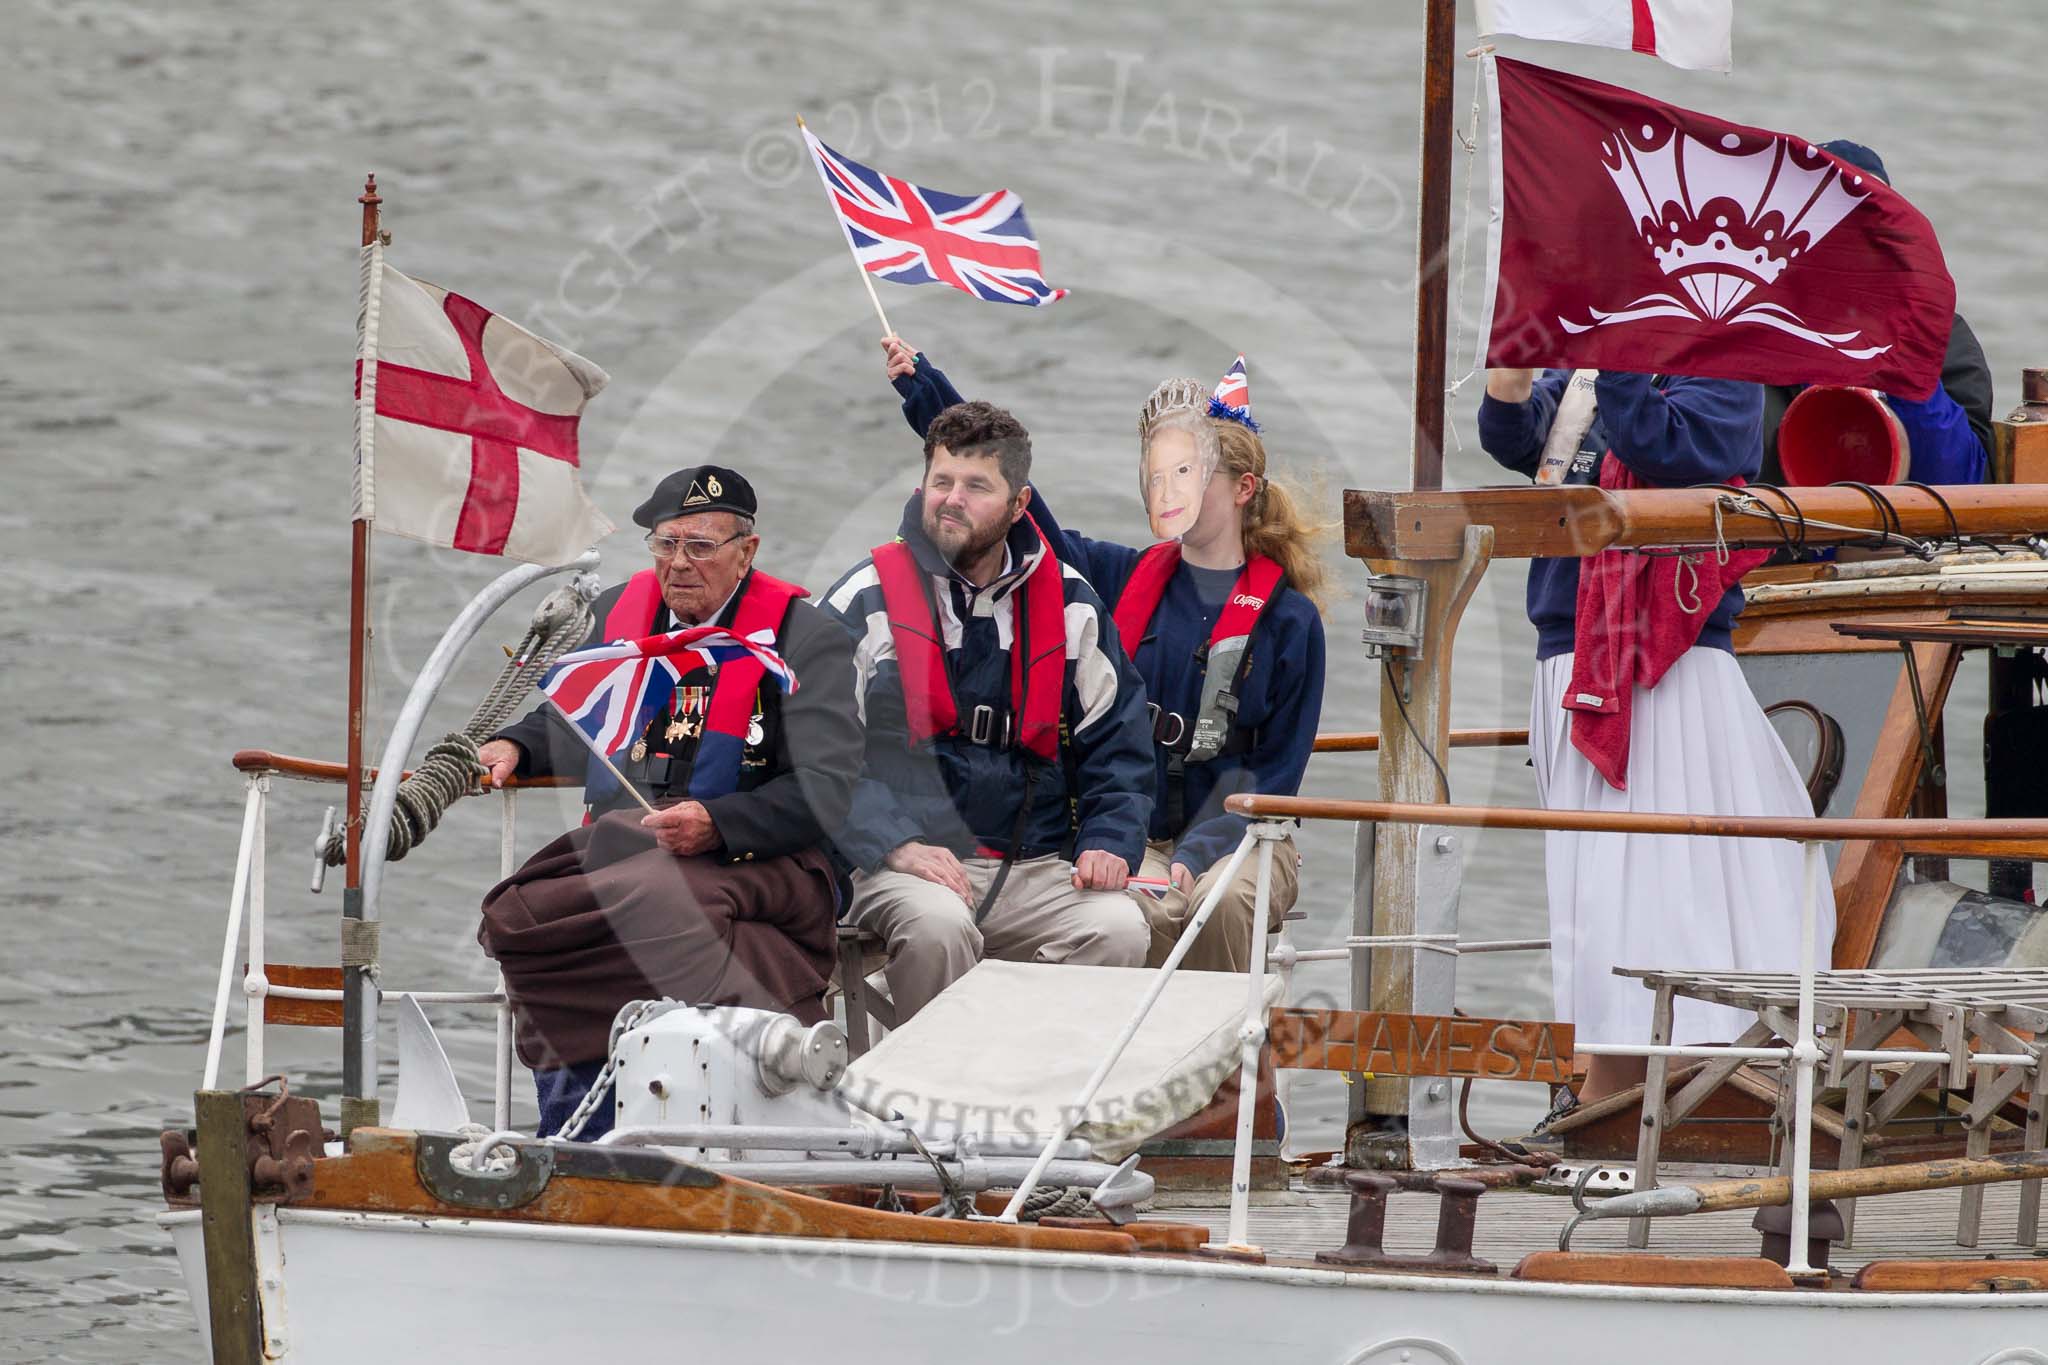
(725, 895)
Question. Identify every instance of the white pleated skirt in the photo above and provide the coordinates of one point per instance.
(1698, 744)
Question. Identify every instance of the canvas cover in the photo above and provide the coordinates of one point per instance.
(1007, 1047)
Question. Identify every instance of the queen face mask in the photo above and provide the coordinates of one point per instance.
(1175, 477)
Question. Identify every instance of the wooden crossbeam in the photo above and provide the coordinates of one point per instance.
(1581, 520)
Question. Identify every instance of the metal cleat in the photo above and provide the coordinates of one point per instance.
(1824, 1228)
(1457, 1217)
(1366, 1229)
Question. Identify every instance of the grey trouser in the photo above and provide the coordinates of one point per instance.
(1225, 944)
(1040, 917)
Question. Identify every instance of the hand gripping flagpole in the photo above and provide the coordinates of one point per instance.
(865, 277)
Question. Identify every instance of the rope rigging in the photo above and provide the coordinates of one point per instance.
(451, 770)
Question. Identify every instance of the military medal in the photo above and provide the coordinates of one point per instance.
(755, 734)
(639, 749)
(678, 728)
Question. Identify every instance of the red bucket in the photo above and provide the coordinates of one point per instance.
(1832, 434)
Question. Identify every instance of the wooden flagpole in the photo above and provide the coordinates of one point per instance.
(1391, 1119)
(591, 745)
(359, 1105)
(1433, 243)
(865, 277)
(358, 618)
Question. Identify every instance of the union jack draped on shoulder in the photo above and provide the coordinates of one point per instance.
(610, 692)
(978, 243)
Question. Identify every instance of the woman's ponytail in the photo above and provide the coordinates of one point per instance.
(1274, 523)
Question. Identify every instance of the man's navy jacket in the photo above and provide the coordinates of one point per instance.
(964, 795)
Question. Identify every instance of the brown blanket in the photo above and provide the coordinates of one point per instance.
(603, 916)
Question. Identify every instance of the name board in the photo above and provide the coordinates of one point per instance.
(1420, 1045)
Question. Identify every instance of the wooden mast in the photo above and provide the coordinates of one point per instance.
(358, 619)
(358, 1090)
(1413, 878)
(1433, 243)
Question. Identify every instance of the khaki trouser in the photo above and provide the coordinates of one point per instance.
(1225, 944)
(1040, 917)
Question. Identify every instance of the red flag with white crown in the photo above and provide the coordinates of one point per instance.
(1630, 234)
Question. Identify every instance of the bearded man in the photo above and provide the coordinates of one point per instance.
(725, 895)
(1008, 781)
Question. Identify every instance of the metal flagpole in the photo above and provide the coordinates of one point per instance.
(1433, 243)
(865, 278)
(359, 1009)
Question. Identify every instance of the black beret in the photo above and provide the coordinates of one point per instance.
(703, 488)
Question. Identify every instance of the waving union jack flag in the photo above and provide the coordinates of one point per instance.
(978, 243)
(610, 692)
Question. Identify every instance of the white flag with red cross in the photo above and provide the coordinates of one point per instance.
(1694, 34)
(466, 425)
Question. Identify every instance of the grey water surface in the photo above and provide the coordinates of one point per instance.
(180, 228)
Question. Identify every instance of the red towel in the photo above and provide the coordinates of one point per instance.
(1637, 613)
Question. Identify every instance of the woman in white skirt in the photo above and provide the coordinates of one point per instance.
(1636, 653)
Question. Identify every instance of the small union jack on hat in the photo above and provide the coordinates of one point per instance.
(1232, 399)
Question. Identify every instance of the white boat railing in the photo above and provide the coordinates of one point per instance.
(246, 900)
(246, 904)
(1813, 836)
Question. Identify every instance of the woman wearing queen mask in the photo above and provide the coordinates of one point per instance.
(1222, 617)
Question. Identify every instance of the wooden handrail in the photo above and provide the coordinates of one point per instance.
(320, 770)
(1933, 836)
(1367, 741)
(1579, 520)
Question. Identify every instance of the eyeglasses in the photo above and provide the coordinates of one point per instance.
(697, 548)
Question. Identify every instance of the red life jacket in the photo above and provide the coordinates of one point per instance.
(763, 602)
(1228, 649)
(1038, 652)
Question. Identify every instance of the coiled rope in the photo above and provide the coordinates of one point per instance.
(1069, 1201)
(451, 769)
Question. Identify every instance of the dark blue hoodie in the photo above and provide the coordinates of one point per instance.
(1280, 699)
(1668, 431)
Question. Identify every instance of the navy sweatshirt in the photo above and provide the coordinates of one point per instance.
(1280, 700)
(1670, 431)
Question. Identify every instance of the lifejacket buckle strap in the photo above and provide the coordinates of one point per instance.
(989, 727)
(1169, 728)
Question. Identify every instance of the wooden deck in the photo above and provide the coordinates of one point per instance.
(1513, 1223)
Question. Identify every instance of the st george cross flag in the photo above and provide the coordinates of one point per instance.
(466, 425)
(1688, 33)
(978, 243)
(1629, 234)
(610, 692)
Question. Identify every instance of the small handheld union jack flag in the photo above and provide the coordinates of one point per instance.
(978, 243)
(610, 692)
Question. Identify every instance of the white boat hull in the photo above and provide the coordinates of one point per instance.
(400, 1290)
